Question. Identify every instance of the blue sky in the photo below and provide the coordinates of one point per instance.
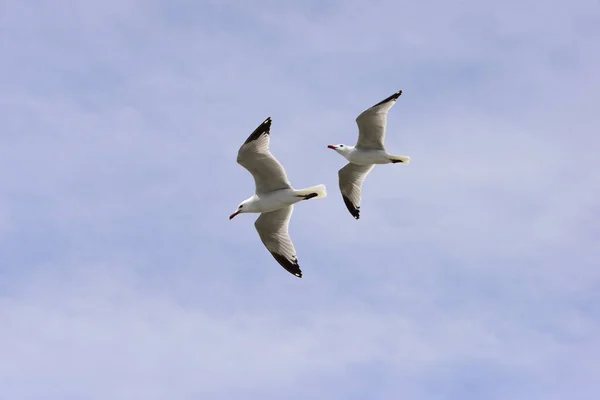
(472, 273)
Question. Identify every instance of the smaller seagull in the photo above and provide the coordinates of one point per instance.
(368, 151)
(274, 197)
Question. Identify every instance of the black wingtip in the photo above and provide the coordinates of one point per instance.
(264, 128)
(354, 210)
(290, 266)
(393, 97)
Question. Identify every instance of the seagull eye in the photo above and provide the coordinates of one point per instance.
(341, 145)
(240, 207)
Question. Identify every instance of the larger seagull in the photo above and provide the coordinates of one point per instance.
(368, 151)
(274, 197)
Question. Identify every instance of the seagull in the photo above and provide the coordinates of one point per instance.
(274, 197)
(368, 151)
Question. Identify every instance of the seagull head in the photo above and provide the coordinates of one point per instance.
(239, 210)
(340, 148)
(246, 206)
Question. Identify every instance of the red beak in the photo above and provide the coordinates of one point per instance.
(233, 215)
(331, 146)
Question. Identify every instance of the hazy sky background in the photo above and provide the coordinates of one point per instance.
(473, 272)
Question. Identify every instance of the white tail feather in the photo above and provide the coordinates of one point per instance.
(320, 190)
(400, 159)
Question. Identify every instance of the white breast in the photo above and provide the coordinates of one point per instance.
(368, 157)
(275, 200)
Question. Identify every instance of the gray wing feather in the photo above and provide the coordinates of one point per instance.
(254, 155)
(351, 178)
(272, 227)
(372, 123)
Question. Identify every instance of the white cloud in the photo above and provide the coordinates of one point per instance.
(91, 333)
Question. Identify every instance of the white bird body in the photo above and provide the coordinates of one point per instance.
(272, 201)
(360, 156)
(274, 197)
(368, 151)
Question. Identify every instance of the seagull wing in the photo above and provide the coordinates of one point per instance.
(254, 155)
(351, 178)
(272, 227)
(372, 122)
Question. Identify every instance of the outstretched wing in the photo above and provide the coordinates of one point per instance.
(254, 155)
(372, 122)
(272, 227)
(351, 178)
